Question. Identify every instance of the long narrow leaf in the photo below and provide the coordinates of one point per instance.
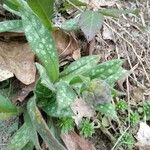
(42, 127)
(32, 130)
(65, 95)
(41, 41)
(13, 4)
(80, 66)
(121, 73)
(44, 78)
(20, 139)
(6, 106)
(10, 25)
(104, 70)
(44, 10)
(6, 116)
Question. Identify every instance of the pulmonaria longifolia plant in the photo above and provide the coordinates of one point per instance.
(56, 91)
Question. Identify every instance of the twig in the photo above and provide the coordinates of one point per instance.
(74, 5)
(120, 138)
(139, 58)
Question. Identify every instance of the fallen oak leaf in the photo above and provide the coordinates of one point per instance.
(81, 109)
(17, 58)
(74, 142)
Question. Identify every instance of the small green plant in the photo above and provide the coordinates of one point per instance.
(146, 108)
(127, 141)
(87, 128)
(56, 91)
(134, 118)
(121, 105)
(66, 124)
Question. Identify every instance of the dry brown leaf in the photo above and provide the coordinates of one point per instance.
(81, 109)
(107, 33)
(65, 44)
(5, 74)
(17, 58)
(143, 137)
(75, 142)
(137, 94)
(23, 93)
(76, 54)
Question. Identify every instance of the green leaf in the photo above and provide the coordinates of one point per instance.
(60, 106)
(65, 95)
(6, 116)
(29, 146)
(74, 2)
(117, 12)
(10, 25)
(70, 25)
(20, 139)
(108, 110)
(50, 108)
(44, 10)
(120, 73)
(6, 7)
(44, 78)
(6, 106)
(41, 126)
(13, 4)
(90, 23)
(80, 66)
(32, 131)
(42, 91)
(104, 70)
(42, 43)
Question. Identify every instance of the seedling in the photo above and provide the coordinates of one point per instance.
(121, 105)
(86, 128)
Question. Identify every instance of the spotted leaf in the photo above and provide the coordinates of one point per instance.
(44, 78)
(104, 70)
(20, 139)
(120, 73)
(32, 131)
(65, 95)
(108, 110)
(80, 66)
(41, 126)
(60, 106)
(10, 25)
(50, 107)
(42, 42)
